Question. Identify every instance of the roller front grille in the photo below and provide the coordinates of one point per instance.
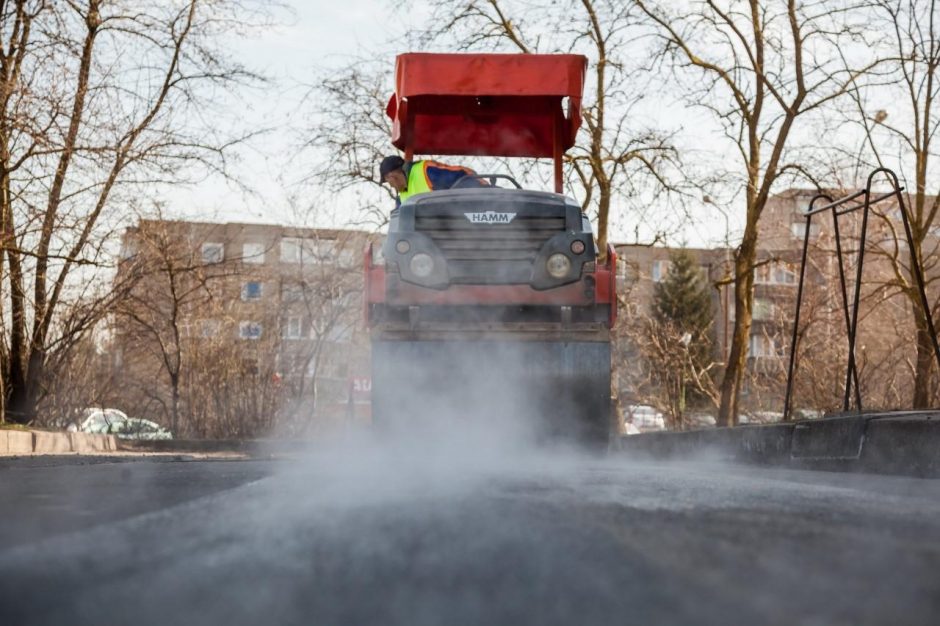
(489, 253)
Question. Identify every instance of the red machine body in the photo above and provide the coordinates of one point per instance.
(605, 279)
(513, 105)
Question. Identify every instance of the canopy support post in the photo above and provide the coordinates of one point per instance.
(557, 150)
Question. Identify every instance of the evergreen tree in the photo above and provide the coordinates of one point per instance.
(682, 309)
(682, 300)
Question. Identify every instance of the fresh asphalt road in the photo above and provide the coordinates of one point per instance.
(373, 535)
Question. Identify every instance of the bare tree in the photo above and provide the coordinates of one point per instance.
(232, 389)
(321, 307)
(663, 371)
(345, 134)
(756, 68)
(898, 119)
(96, 99)
(81, 377)
(174, 285)
(617, 161)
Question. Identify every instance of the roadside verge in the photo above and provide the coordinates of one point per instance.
(29, 442)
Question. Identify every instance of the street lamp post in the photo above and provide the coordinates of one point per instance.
(685, 340)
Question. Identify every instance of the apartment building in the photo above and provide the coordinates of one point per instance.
(885, 326)
(232, 320)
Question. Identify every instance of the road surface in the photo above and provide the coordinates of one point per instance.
(372, 535)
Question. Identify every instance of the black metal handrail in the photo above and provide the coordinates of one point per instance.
(851, 317)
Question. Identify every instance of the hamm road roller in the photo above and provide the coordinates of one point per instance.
(488, 303)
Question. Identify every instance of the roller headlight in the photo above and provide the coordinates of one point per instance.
(422, 265)
(558, 265)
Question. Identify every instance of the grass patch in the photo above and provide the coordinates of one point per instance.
(9, 426)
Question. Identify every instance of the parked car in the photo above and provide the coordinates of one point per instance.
(98, 421)
(760, 417)
(140, 429)
(700, 419)
(645, 417)
(115, 422)
(630, 429)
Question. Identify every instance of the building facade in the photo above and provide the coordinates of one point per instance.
(241, 328)
(886, 322)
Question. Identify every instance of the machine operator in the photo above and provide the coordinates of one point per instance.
(414, 177)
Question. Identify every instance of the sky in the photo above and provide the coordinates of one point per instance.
(311, 35)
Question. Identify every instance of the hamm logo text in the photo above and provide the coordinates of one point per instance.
(490, 217)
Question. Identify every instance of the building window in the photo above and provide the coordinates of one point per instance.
(253, 253)
(251, 290)
(763, 347)
(325, 249)
(293, 328)
(290, 249)
(249, 330)
(209, 328)
(340, 333)
(660, 270)
(297, 250)
(764, 309)
(802, 204)
(799, 230)
(783, 275)
(347, 256)
(292, 292)
(213, 253)
(774, 273)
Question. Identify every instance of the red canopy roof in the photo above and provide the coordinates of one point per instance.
(487, 104)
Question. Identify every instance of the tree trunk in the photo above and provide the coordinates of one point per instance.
(16, 358)
(175, 403)
(743, 298)
(21, 408)
(603, 215)
(924, 365)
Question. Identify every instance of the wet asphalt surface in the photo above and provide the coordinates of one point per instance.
(372, 536)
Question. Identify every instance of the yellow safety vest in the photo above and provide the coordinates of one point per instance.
(417, 181)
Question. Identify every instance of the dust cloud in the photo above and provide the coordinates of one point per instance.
(456, 417)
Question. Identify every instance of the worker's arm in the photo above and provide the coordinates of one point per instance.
(444, 176)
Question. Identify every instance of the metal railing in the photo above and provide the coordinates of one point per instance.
(864, 200)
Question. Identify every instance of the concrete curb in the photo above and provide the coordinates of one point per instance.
(87, 444)
(16, 442)
(38, 442)
(905, 443)
(41, 442)
(45, 442)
